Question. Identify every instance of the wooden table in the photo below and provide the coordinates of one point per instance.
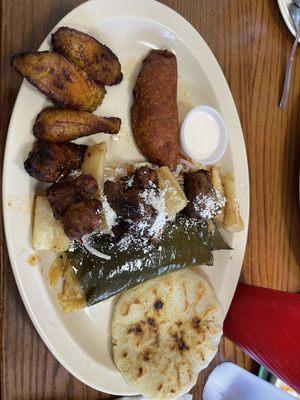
(252, 44)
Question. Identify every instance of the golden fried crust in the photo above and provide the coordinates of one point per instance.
(59, 79)
(49, 162)
(154, 114)
(96, 59)
(62, 125)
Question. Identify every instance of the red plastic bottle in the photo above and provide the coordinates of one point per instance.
(265, 324)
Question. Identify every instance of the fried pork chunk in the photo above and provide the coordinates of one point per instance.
(134, 213)
(203, 200)
(59, 79)
(82, 218)
(64, 193)
(48, 162)
(96, 59)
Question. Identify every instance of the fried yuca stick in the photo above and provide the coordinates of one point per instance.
(216, 179)
(232, 220)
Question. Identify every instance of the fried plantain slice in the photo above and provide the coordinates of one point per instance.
(62, 125)
(96, 59)
(48, 162)
(59, 79)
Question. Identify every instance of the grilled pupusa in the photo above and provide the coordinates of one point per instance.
(164, 332)
(96, 59)
(61, 125)
(59, 79)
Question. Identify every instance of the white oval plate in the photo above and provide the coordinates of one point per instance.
(81, 340)
(284, 9)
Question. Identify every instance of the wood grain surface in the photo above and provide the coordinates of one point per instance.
(252, 44)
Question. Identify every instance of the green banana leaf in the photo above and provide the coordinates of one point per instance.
(184, 243)
(214, 238)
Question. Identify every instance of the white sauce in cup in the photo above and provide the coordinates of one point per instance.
(203, 135)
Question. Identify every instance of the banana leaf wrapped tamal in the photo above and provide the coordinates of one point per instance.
(184, 243)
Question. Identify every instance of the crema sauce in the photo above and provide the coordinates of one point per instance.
(202, 134)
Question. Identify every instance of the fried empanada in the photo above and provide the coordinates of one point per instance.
(62, 125)
(59, 79)
(96, 59)
(154, 114)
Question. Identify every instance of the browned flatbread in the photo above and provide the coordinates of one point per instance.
(154, 114)
(164, 332)
(59, 79)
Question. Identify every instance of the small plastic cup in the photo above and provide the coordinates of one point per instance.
(230, 382)
(223, 136)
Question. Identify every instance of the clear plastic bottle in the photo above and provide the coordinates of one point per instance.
(230, 382)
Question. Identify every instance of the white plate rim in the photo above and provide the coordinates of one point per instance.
(182, 27)
(283, 6)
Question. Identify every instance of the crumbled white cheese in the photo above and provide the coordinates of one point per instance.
(157, 201)
(110, 214)
(73, 246)
(129, 182)
(128, 267)
(208, 206)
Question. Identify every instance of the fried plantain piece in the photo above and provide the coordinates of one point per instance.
(62, 125)
(59, 79)
(48, 162)
(154, 114)
(96, 59)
